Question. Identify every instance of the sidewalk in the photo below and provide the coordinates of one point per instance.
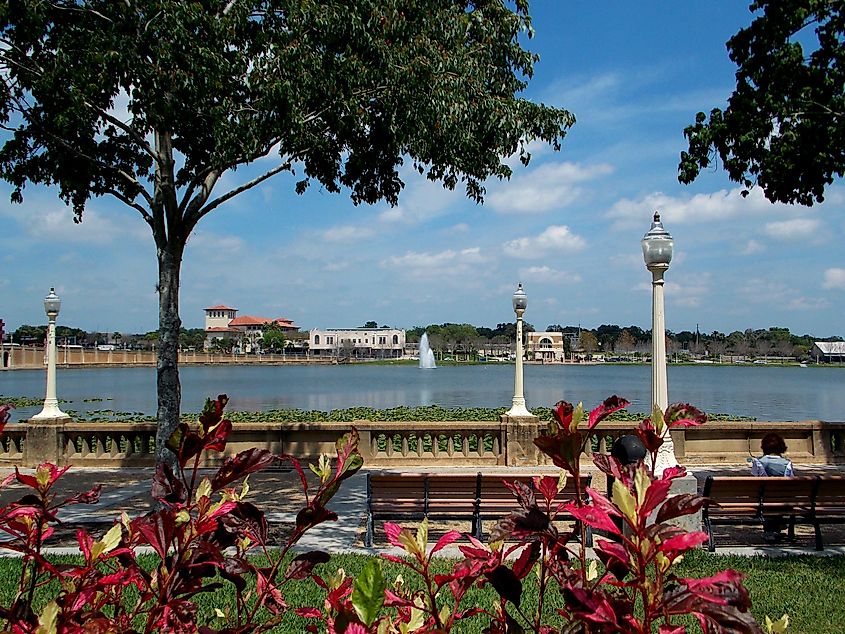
(279, 495)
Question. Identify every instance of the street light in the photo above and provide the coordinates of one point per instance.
(51, 410)
(520, 302)
(657, 252)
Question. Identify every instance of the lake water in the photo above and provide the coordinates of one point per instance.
(766, 392)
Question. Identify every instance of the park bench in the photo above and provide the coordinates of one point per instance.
(444, 496)
(748, 500)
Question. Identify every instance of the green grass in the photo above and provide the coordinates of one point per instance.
(808, 588)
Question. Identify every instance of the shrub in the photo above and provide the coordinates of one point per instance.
(636, 592)
(203, 531)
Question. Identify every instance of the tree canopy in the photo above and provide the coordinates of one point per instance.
(784, 126)
(153, 102)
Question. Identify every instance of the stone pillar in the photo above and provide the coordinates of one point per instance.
(520, 432)
(44, 442)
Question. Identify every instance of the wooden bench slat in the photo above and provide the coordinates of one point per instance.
(476, 497)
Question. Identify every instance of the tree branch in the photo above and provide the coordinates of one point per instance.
(238, 190)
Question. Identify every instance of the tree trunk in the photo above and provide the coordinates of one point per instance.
(167, 368)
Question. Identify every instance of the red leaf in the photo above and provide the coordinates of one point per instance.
(684, 415)
(392, 530)
(562, 411)
(610, 405)
(302, 565)
(529, 556)
(678, 505)
(547, 486)
(682, 543)
(89, 497)
(5, 414)
(670, 473)
(593, 516)
(672, 629)
(658, 491)
(308, 613)
(240, 465)
(449, 538)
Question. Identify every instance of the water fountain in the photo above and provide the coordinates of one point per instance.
(426, 353)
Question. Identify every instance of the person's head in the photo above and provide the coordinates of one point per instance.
(628, 449)
(772, 444)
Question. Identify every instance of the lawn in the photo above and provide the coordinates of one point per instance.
(808, 588)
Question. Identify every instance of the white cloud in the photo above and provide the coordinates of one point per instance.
(347, 233)
(795, 228)
(550, 186)
(421, 200)
(807, 303)
(834, 278)
(209, 243)
(752, 247)
(448, 262)
(556, 239)
(700, 208)
(547, 274)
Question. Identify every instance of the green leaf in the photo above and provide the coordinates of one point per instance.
(368, 592)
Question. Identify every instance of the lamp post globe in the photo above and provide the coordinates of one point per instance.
(657, 252)
(520, 303)
(50, 411)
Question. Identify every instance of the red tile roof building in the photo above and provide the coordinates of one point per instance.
(223, 322)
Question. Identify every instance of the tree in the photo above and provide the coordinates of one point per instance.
(335, 92)
(588, 342)
(370, 324)
(784, 126)
(273, 337)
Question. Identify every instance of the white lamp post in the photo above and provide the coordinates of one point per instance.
(657, 252)
(520, 302)
(51, 410)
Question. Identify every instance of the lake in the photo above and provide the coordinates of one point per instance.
(766, 392)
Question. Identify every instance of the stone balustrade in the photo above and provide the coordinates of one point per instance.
(404, 444)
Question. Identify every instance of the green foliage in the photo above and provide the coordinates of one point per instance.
(273, 337)
(784, 126)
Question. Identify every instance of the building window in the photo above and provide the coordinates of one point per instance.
(316, 340)
(329, 340)
(395, 340)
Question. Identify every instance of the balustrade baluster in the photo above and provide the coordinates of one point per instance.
(405, 449)
(496, 447)
(435, 445)
(388, 445)
(465, 446)
(450, 446)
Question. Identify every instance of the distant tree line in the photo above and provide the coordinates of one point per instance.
(461, 339)
(65, 335)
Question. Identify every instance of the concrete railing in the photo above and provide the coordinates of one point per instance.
(28, 357)
(405, 444)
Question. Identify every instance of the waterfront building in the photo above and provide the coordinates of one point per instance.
(546, 346)
(345, 343)
(222, 322)
(829, 351)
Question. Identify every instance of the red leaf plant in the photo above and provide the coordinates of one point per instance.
(204, 531)
(634, 591)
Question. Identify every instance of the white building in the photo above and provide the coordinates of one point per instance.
(374, 343)
(546, 346)
(222, 322)
(830, 351)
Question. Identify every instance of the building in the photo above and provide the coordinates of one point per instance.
(829, 351)
(222, 322)
(370, 343)
(546, 346)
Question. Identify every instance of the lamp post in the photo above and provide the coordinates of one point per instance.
(657, 253)
(520, 302)
(51, 410)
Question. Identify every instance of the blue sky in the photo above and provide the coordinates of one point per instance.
(568, 226)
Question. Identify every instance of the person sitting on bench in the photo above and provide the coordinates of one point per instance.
(773, 464)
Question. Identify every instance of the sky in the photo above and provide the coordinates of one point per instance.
(568, 226)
